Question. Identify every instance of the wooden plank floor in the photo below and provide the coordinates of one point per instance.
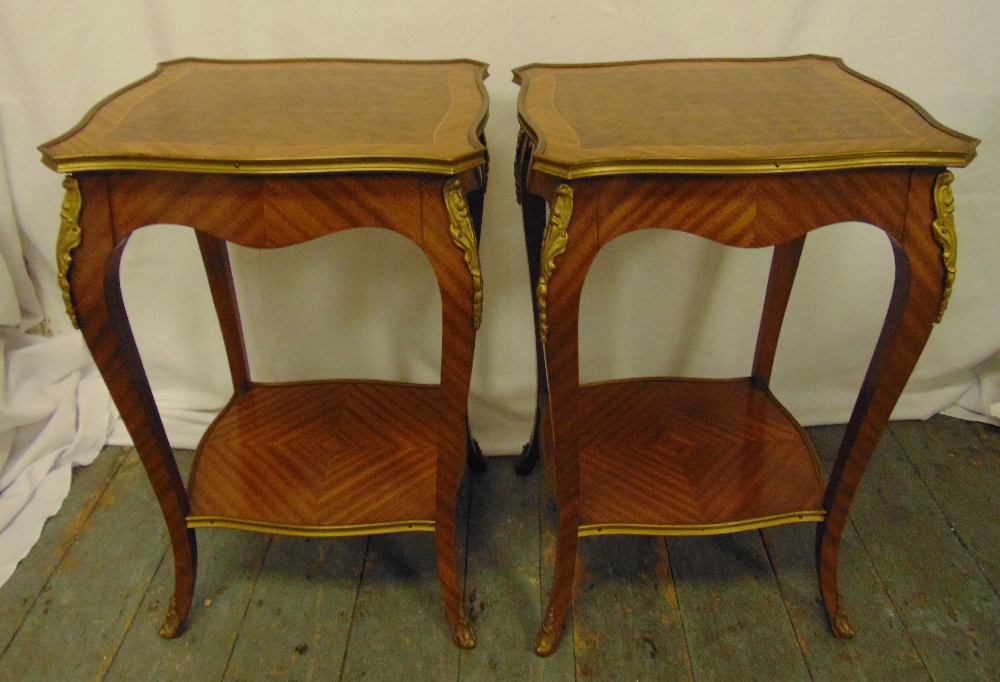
(920, 572)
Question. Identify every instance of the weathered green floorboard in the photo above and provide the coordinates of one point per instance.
(502, 579)
(734, 617)
(299, 615)
(627, 623)
(949, 609)
(75, 628)
(228, 564)
(399, 630)
(19, 593)
(883, 649)
(988, 437)
(960, 464)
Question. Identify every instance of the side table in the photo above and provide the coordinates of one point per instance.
(268, 154)
(748, 153)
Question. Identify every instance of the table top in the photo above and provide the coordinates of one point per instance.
(286, 116)
(724, 116)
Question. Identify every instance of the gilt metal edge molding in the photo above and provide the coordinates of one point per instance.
(464, 236)
(669, 529)
(77, 164)
(945, 234)
(69, 239)
(553, 245)
(576, 169)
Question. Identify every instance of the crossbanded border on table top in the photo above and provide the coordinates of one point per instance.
(286, 116)
(752, 118)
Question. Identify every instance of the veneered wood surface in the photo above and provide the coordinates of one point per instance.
(286, 115)
(748, 211)
(684, 456)
(308, 456)
(96, 290)
(533, 211)
(215, 257)
(784, 265)
(724, 115)
(913, 311)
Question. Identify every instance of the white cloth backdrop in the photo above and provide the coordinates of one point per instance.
(54, 410)
(363, 303)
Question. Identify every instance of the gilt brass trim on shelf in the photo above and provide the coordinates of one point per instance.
(464, 235)
(69, 239)
(311, 531)
(553, 245)
(591, 529)
(945, 234)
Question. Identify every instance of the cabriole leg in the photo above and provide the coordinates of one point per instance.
(921, 271)
(95, 292)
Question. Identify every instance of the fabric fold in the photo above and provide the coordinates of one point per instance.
(54, 414)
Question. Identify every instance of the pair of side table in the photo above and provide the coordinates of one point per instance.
(749, 153)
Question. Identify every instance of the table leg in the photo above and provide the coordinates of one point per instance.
(215, 256)
(476, 199)
(453, 261)
(567, 537)
(784, 264)
(533, 214)
(473, 453)
(533, 217)
(565, 258)
(96, 293)
(913, 309)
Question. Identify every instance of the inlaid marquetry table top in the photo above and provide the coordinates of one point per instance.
(724, 115)
(316, 115)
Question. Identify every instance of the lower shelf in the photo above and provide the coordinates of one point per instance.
(320, 458)
(690, 457)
